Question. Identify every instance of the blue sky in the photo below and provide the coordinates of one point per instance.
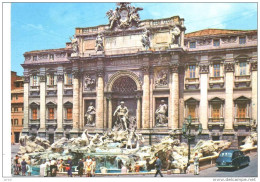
(37, 26)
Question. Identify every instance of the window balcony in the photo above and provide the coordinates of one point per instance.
(218, 80)
(35, 88)
(216, 122)
(51, 87)
(242, 81)
(242, 122)
(34, 122)
(192, 83)
(194, 122)
(67, 122)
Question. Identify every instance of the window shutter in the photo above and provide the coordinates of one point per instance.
(65, 79)
(48, 77)
(55, 79)
(38, 81)
(31, 80)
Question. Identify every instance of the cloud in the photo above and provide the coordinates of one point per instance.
(32, 26)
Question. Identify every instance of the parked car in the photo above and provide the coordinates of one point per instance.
(232, 159)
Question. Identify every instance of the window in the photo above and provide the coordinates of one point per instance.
(192, 44)
(68, 79)
(34, 81)
(16, 97)
(242, 68)
(34, 58)
(216, 42)
(241, 111)
(22, 121)
(16, 109)
(12, 122)
(192, 111)
(192, 70)
(17, 84)
(242, 40)
(216, 70)
(69, 113)
(34, 113)
(15, 122)
(50, 80)
(51, 113)
(51, 56)
(216, 111)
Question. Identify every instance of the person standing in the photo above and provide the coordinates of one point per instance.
(69, 164)
(23, 163)
(80, 168)
(196, 164)
(17, 165)
(52, 165)
(54, 169)
(158, 166)
(47, 167)
(29, 166)
(93, 167)
(42, 169)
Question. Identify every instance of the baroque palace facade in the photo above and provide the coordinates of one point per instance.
(160, 73)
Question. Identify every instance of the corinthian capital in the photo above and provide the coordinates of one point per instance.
(174, 68)
(254, 66)
(204, 68)
(229, 67)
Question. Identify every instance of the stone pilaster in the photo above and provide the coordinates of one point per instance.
(174, 98)
(42, 104)
(60, 103)
(151, 121)
(138, 113)
(229, 77)
(75, 115)
(254, 89)
(146, 99)
(204, 69)
(110, 113)
(25, 130)
(100, 100)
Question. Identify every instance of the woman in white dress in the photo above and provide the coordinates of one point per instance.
(29, 166)
(42, 169)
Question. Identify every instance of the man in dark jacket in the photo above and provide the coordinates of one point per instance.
(158, 166)
(80, 168)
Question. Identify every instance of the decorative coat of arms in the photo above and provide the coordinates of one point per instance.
(124, 16)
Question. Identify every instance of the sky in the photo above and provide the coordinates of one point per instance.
(37, 26)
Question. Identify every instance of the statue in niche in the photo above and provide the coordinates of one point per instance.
(121, 114)
(146, 39)
(90, 115)
(89, 82)
(175, 35)
(74, 43)
(162, 79)
(99, 43)
(160, 114)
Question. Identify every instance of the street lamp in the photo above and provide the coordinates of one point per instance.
(187, 127)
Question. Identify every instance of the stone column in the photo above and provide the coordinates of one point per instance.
(100, 100)
(145, 100)
(60, 104)
(151, 122)
(138, 112)
(25, 130)
(229, 71)
(204, 69)
(42, 105)
(75, 110)
(110, 113)
(174, 98)
(254, 89)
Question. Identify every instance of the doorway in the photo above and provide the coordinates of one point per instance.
(16, 137)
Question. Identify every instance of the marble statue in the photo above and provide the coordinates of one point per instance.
(74, 43)
(89, 82)
(99, 43)
(146, 39)
(90, 115)
(162, 79)
(160, 113)
(113, 17)
(134, 15)
(121, 114)
(175, 35)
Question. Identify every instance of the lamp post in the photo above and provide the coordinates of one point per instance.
(187, 127)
